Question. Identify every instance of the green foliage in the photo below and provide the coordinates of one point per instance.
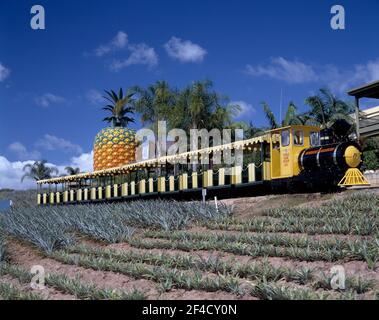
(359, 285)
(177, 278)
(74, 286)
(370, 160)
(90, 291)
(211, 263)
(51, 228)
(156, 102)
(271, 291)
(270, 116)
(370, 154)
(43, 227)
(72, 171)
(197, 106)
(357, 214)
(10, 292)
(3, 252)
(104, 223)
(326, 108)
(169, 215)
(120, 107)
(291, 117)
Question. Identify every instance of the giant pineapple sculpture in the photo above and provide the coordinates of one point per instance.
(115, 146)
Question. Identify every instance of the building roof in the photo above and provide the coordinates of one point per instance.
(370, 90)
(370, 112)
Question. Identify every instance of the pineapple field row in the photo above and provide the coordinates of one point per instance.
(190, 250)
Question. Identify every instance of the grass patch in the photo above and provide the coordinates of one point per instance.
(10, 292)
(357, 250)
(73, 286)
(272, 291)
(166, 278)
(211, 263)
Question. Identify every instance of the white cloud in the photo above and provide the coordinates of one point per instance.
(338, 79)
(4, 72)
(12, 172)
(48, 99)
(50, 142)
(22, 153)
(184, 50)
(343, 80)
(246, 108)
(118, 42)
(140, 54)
(84, 162)
(286, 70)
(94, 97)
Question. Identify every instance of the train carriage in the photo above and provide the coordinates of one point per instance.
(281, 160)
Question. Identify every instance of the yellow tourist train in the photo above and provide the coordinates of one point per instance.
(287, 159)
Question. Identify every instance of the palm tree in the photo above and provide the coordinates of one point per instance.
(200, 107)
(120, 107)
(326, 108)
(291, 117)
(72, 171)
(38, 171)
(155, 103)
(224, 115)
(270, 116)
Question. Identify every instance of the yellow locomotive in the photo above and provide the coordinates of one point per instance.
(280, 160)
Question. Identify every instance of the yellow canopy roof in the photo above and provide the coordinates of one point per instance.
(157, 161)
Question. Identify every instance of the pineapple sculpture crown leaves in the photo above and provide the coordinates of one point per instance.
(120, 107)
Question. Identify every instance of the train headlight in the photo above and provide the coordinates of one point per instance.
(352, 157)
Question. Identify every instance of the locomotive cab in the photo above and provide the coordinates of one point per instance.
(285, 147)
(298, 157)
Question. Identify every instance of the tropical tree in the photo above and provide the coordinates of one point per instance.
(326, 108)
(38, 171)
(120, 107)
(291, 117)
(224, 115)
(155, 103)
(72, 171)
(273, 123)
(200, 107)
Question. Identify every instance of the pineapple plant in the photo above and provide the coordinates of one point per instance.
(115, 145)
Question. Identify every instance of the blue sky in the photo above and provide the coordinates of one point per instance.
(51, 80)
